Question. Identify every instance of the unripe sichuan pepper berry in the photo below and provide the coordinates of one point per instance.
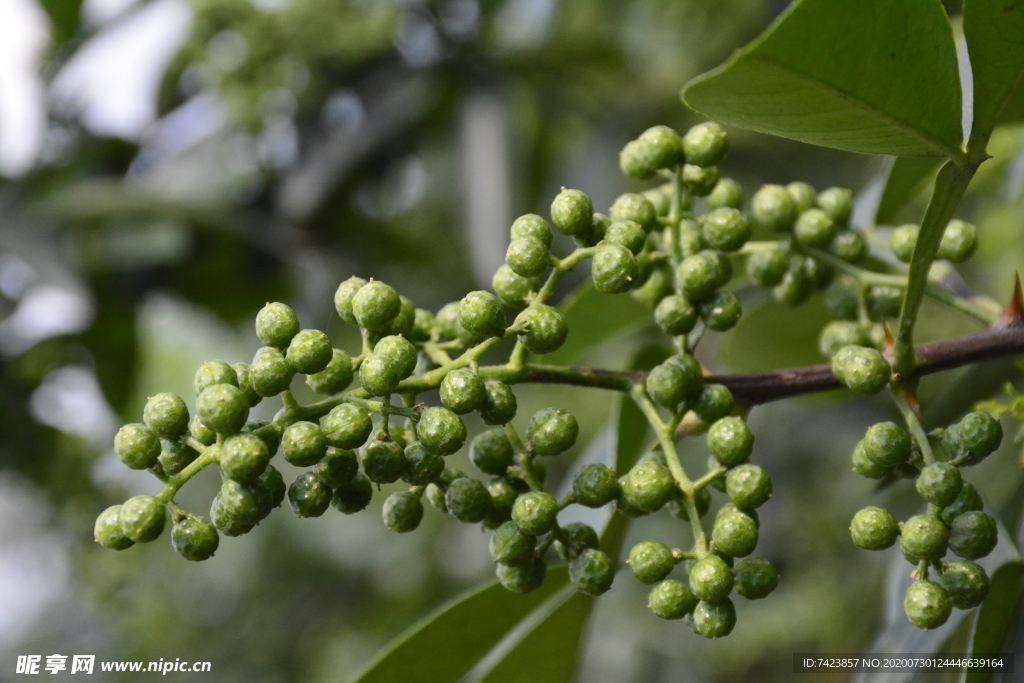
(731, 441)
(354, 496)
(735, 534)
(522, 578)
(467, 500)
(337, 467)
(849, 245)
(699, 181)
(167, 415)
(223, 408)
(767, 267)
(542, 328)
(400, 350)
(648, 487)
(627, 234)
(440, 431)
(107, 530)
(669, 384)
(137, 446)
(773, 208)
(698, 276)
(402, 512)
(535, 512)
(814, 229)
(304, 444)
(873, 528)
(462, 391)
(864, 371)
(213, 372)
(726, 229)
(276, 324)
(578, 536)
(243, 457)
(924, 538)
(552, 431)
(727, 193)
(711, 579)
(803, 194)
(706, 144)
(973, 535)
(714, 619)
(755, 579)
(142, 518)
(482, 315)
(308, 496)
(379, 375)
(965, 582)
(959, 241)
(651, 561)
(635, 208)
(613, 269)
(671, 599)
(194, 538)
(270, 373)
(967, 500)
(837, 203)
(675, 315)
(591, 572)
(512, 289)
(903, 241)
(335, 377)
(939, 483)
(347, 426)
(721, 311)
(421, 466)
(499, 405)
(532, 225)
(595, 485)
(978, 435)
(839, 333)
(491, 452)
(748, 486)
(343, 298)
(927, 605)
(383, 461)
(572, 212)
(656, 148)
(245, 383)
(715, 402)
(795, 286)
(527, 257)
(886, 444)
(375, 305)
(511, 546)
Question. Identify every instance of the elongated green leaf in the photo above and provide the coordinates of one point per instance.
(995, 41)
(593, 319)
(908, 179)
(872, 76)
(997, 616)
(449, 642)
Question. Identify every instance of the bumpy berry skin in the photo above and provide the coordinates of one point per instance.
(721, 311)
(201, 432)
(175, 456)
(773, 208)
(959, 241)
(886, 444)
(552, 431)
(698, 276)
(511, 288)
(532, 225)
(613, 269)
(375, 306)
(245, 383)
(927, 604)
(755, 579)
(803, 194)
(849, 245)
(572, 212)
(675, 315)
(405, 320)
(107, 530)
(137, 446)
(527, 257)
(421, 466)
(966, 501)
(668, 384)
(978, 435)
(627, 234)
(864, 371)
(648, 487)
(591, 572)
(308, 496)
(383, 461)
(924, 538)
(354, 496)
(726, 229)
(304, 444)
(142, 518)
(482, 315)
(748, 486)
(939, 484)
(467, 500)
(276, 324)
(714, 619)
(223, 408)
(270, 373)
(401, 352)
(224, 522)
(865, 467)
(491, 452)
(711, 579)
(167, 415)
(839, 333)
(837, 203)
(651, 561)
(243, 457)
(379, 374)
(706, 144)
(503, 497)
(347, 426)
(671, 599)
(656, 148)
(727, 194)
(522, 578)
(699, 181)
(795, 286)
(402, 512)
(337, 467)
(499, 405)
(973, 535)
(903, 241)
(213, 372)
(195, 538)
(535, 512)
(511, 546)
(735, 534)
(335, 377)
(965, 582)
(343, 298)
(873, 528)
(543, 328)
(595, 486)
(767, 267)
(441, 431)
(731, 441)
(462, 391)
(579, 536)
(636, 208)
(814, 229)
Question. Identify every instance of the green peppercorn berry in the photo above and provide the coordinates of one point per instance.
(886, 444)
(659, 147)
(245, 383)
(803, 195)
(702, 500)
(675, 315)
(579, 537)
(491, 452)
(375, 305)
(727, 194)
(903, 241)
(714, 619)
(503, 497)
(767, 267)
(194, 538)
(698, 276)
(755, 579)
(421, 466)
(462, 391)
(343, 298)
(527, 257)
(699, 181)
(927, 604)
(651, 561)
(636, 208)
(137, 446)
(661, 199)
(837, 203)
(959, 241)
(726, 229)
(224, 522)
(939, 483)
(924, 538)
(404, 321)
(874, 528)
(107, 530)
(796, 286)
(513, 290)
(721, 311)
(535, 512)
(213, 372)
(270, 373)
(243, 457)
(627, 234)
(748, 486)
(201, 432)
(511, 546)
(595, 485)
(482, 315)
(499, 405)
(841, 333)
(379, 375)
(671, 599)
(711, 579)
(572, 212)
(613, 269)
(706, 144)
(401, 352)
(347, 426)
(814, 229)
(532, 225)
(336, 376)
(691, 241)
(731, 441)
(542, 328)
(308, 495)
(403, 512)
(773, 208)
(842, 299)
(447, 322)
(973, 535)
(671, 383)
(304, 444)
(422, 324)
(552, 431)
(167, 415)
(966, 501)
(978, 435)
(863, 370)
(354, 496)
(884, 302)
(441, 431)
(337, 467)
(735, 534)
(142, 518)
(524, 577)
(591, 572)
(965, 582)
(223, 408)
(383, 461)
(175, 456)
(276, 324)
(648, 487)
(849, 246)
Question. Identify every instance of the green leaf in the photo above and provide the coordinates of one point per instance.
(871, 76)
(450, 641)
(593, 319)
(996, 616)
(995, 41)
(908, 178)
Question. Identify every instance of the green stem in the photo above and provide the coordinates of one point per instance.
(192, 469)
(913, 424)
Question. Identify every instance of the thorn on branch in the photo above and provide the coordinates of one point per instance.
(1014, 311)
